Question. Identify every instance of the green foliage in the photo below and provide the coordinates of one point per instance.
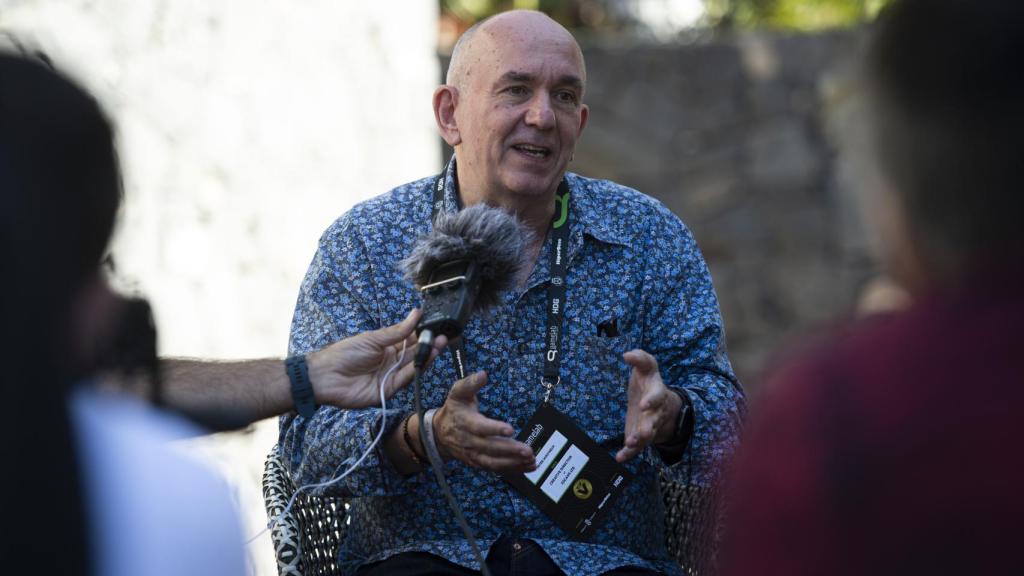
(573, 14)
(804, 15)
(473, 10)
(798, 15)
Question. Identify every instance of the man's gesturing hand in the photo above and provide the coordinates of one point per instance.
(463, 433)
(652, 409)
(347, 373)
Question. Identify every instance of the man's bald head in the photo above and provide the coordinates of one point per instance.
(513, 110)
(512, 26)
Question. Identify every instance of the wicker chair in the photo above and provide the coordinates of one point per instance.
(306, 539)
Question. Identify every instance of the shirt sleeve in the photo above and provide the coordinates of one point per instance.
(335, 301)
(684, 332)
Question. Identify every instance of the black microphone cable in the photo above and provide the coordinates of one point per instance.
(439, 466)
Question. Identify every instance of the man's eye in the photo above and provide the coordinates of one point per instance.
(516, 91)
(566, 97)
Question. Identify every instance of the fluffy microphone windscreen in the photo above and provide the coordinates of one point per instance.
(491, 237)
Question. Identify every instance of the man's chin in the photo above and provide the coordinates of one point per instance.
(532, 185)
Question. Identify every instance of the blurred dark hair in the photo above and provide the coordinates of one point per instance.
(946, 84)
(60, 188)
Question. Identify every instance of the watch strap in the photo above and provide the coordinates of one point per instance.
(302, 388)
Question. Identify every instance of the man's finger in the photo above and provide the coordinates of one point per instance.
(653, 400)
(395, 333)
(404, 356)
(626, 454)
(644, 432)
(399, 379)
(631, 420)
(641, 360)
(500, 447)
(480, 425)
(487, 462)
(440, 342)
(410, 342)
(467, 388)
(407, 370)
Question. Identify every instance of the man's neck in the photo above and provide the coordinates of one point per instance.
(535, 212)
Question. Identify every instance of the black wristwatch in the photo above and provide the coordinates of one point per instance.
(684, 422)
(302, 388)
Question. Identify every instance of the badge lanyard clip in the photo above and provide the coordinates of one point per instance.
(548, 387)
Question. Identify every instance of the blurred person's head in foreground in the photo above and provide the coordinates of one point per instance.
(892, 446)
(947, 108)
(60, 189)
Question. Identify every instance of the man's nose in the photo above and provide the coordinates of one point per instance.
(540, 113)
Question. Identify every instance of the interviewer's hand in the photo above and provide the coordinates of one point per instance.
(652, 409)
(463, 433)
(347, 373)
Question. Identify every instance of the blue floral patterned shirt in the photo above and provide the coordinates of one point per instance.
(630, 260)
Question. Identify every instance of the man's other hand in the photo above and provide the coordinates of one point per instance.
(348, 373)
(463, 433)
(652, 410)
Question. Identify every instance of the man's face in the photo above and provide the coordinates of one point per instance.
(520, 111)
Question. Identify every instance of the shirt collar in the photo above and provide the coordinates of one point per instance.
(587, 215)
(591, 216)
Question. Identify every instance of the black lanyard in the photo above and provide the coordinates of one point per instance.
(556, 288)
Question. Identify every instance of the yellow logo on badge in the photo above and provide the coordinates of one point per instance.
(582, 489)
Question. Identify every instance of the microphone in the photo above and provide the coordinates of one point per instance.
(461, 266)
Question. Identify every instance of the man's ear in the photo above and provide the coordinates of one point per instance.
(446, 98)
(584, 115)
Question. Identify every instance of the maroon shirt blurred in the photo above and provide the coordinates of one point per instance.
(895, 448)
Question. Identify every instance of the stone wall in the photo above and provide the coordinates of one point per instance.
(734, 138)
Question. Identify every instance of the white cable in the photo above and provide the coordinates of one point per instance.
(383, 421)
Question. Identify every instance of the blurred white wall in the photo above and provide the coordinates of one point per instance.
(246, 127)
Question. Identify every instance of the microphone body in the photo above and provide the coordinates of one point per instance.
(449, 298)
(448, 301)
(461, 266)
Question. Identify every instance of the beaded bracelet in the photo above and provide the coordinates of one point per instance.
(408, 441)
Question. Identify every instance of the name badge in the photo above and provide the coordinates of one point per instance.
(576, 480)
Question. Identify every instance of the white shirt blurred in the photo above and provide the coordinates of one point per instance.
(152, 510)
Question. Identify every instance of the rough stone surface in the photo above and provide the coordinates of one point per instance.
(736, 137)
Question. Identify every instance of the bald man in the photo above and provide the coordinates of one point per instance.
(640, 364)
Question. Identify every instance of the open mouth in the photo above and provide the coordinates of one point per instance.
(532, 151)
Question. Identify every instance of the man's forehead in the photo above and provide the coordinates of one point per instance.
(529, 53)
(564, 79)
(525, 27)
